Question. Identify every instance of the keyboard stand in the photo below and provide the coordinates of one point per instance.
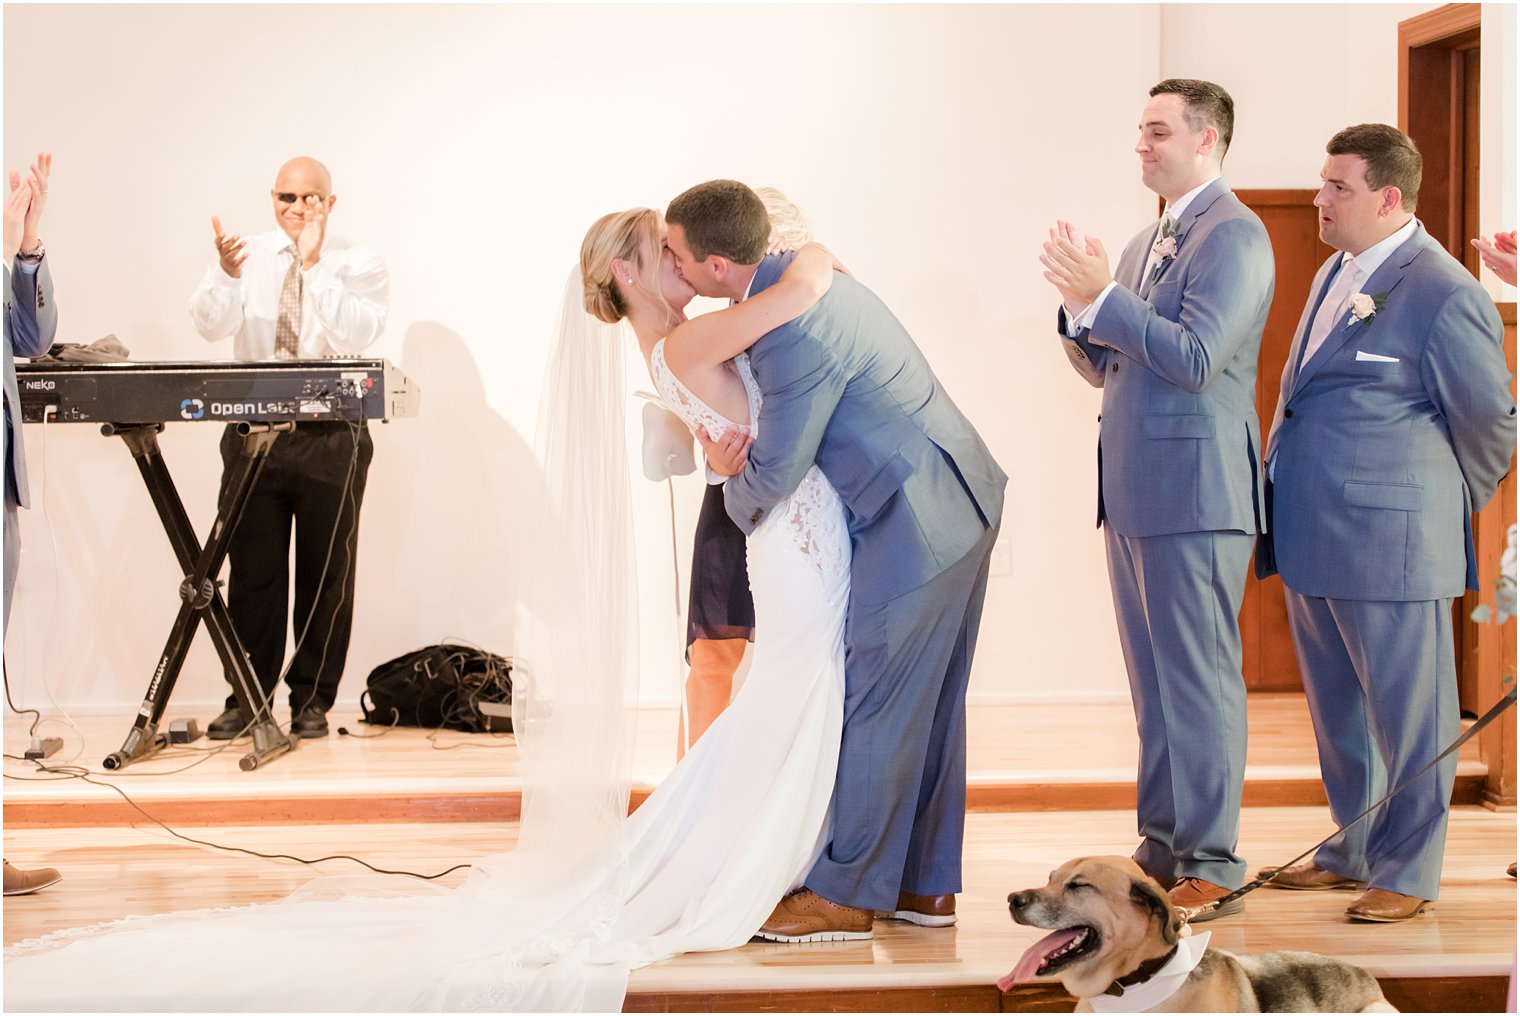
(201, 598)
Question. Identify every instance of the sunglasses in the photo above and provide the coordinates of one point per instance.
(287, 198)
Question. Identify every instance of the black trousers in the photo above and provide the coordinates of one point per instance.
(312, 481)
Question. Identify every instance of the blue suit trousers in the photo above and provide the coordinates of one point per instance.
(1177, 598)
(1381, 677)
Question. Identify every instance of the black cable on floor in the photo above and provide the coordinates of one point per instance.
(79, 773)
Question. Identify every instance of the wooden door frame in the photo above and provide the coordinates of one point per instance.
(1439, 25)
(1438, 40)
(1483, 663)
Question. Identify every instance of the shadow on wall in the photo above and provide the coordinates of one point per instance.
(447, 514)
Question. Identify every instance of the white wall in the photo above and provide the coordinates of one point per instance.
(1497, 113)
(473, 146)
(1297, 72)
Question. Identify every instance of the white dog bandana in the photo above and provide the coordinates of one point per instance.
(1154, 992)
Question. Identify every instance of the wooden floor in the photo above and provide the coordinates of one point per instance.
(1470, 937)
(423, 804)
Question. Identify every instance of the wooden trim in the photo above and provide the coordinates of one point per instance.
(1483, 993)
(967, 998)
(1276, 198)
(1438, 25)
(1488, 650)
(506, 805)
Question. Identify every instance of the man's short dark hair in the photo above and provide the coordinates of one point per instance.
(1391, 157)
(722, 217)
(1205, 104)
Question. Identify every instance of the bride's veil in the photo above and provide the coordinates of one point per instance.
(576, 683)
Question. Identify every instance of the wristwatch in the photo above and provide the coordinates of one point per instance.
(32, 257)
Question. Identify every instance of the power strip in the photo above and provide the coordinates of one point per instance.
(45, 748)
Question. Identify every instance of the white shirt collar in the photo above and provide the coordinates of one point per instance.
(1152, 993)
(1175, 209)
(1371, 259)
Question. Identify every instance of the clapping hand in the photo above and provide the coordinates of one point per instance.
(230, 248)
(37, 182)
(1076, 265)
(726, 456)
(16, 203)
(309, 243)
(1498, 254)
(23, 207)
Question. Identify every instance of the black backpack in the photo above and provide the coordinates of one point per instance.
(441, 686)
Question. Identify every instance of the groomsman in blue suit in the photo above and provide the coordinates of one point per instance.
(1172, 338)
(31, 322)
(1394, 425)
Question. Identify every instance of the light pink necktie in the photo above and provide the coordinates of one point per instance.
(1332, 309)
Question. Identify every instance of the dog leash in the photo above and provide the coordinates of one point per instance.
(1467, 735)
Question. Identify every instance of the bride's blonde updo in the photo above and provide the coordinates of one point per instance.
(632, 236)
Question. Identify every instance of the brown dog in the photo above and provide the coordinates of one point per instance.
(1113, 923)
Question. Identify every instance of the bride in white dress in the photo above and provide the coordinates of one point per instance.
(589, 894)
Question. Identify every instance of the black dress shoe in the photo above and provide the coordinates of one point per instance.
(228, 725)
(310, 722)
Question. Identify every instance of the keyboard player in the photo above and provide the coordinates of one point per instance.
(295, 292)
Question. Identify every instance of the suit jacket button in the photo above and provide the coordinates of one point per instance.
(1116, 368)
(1287, 414)
(1100, 417)
(754, 518)
(1081, 355)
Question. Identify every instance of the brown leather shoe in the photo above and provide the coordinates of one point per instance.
(804, 916)
(1308, 876)
(924, 911)
(19, 883)
(1191, 893)
(1386, 906)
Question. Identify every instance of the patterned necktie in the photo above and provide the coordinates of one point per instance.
(1331, 310)
(287, 328)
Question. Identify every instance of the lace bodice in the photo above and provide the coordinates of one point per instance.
(814, 519)
(692, 410)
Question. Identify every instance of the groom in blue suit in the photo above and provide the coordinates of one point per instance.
(846, 388)
(1395, 423)
(1172, 339)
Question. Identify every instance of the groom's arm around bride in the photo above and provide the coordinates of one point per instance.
(845, 387)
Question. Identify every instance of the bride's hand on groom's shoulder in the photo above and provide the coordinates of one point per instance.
(727, 455)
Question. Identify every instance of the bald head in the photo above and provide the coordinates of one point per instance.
(304, 169)
(301, 182)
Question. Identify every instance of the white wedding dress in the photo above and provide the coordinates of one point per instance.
(699, 866)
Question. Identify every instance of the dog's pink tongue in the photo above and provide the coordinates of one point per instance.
(1029, 963)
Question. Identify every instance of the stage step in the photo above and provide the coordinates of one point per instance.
(1020, 759)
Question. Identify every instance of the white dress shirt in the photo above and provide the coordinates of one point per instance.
(1089, 314)
(1371, 259)
(344, 298)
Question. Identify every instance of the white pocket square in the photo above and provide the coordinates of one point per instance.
(1375, 357)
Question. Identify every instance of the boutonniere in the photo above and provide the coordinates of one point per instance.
(1165, 247)
(1364, 307)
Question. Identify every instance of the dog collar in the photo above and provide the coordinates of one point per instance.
(1144, 972)
(1143, 990)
